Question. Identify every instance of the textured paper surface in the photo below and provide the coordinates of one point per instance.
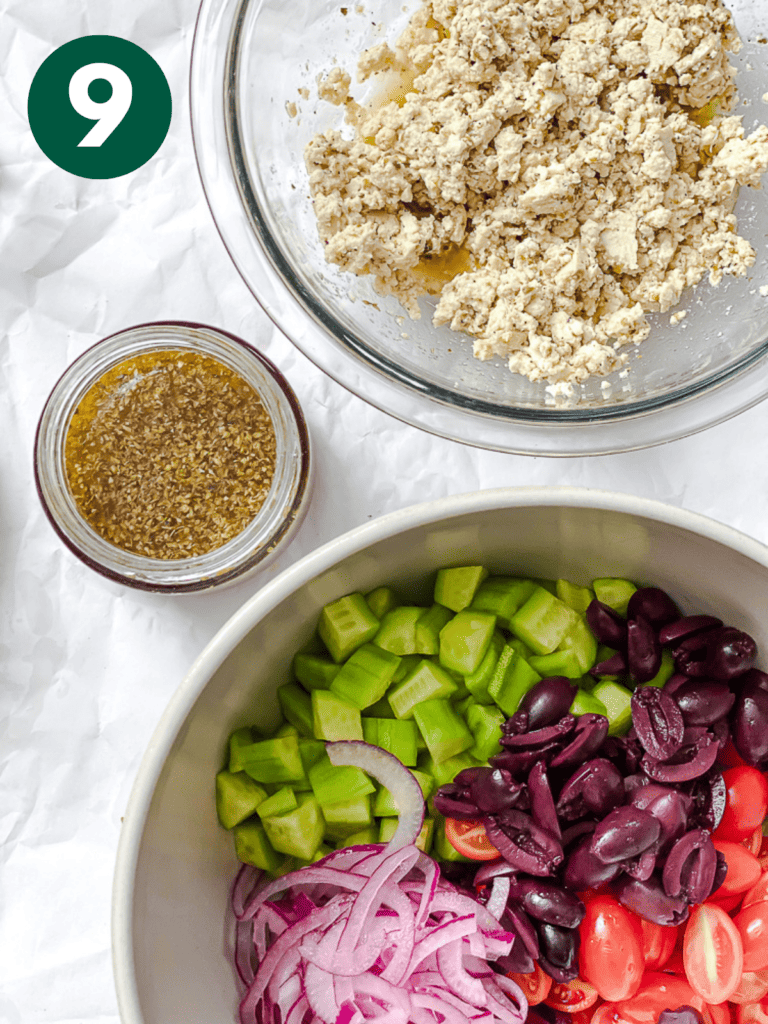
(87, 666)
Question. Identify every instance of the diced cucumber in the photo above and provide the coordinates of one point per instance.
(334, 719)
(408, 662)
(442, 848)
(616, 699)
(253, 847)
(298, 833)
(381, 600)
(585, 703)
(286, 729)
(558, 663)
(397, 632)
(365, 675)
(310, 752)
(237, 797)
(502, 596)
(381, 709)
(364, 837)
(396, 736)
(428, 628)
(275, 760)
(666, 669)
(428, 682)
(444, 732)
(580, 641)
(614, 592)
(512, 678)
(314, 672)
(465, 640)
(543, 621)
(485, 725)
(240, 738)
(477, 682)
(333, 783)
(281, 802)
(455, 588)
(296, 706)
(388, 827)
(448, 770)
(347, 624)
(384, 805)
(522, 649)
(347, 816)
(578, 598)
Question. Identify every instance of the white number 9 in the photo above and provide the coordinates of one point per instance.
(108, 114)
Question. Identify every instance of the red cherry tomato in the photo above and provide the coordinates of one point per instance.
(581, 1017)
(658, 992)
(743, 869)
(605, 1014)
(573, 996)
(712, 953)
(727, 903)
(719, 1013)
(730, 757)
(675, 963)
(752, 988)
(755, 842)
(469, 839)
(752, 1013)
(746, 803)
(611, 953)
(658, 943)
(752, 926)
(535, 985)
(757, 893)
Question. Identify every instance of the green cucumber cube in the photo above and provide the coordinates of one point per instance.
(444, 732)
(614, 592)
(456, 588)
(428, 627)
(347, 624)
(397, 632)
(408, 663)
(558, 663)
(502, 596)
(296, 706)
(513, 677)
(427, 682)
(580, 641)
(485, 725)
(666, 669)
(384, 805)
(274, 760)
(333, 783)
(448, 769)
(345, 817)
(298, 833)
(442, 848)
(237, 797)
(585, 703)
(396, 736)
(365, 676)
(388, 827)
(310, 752)
(465, 640)
(616, 699)
(314, 672)
(240, 738)
(578, 598)
(543, 621)
(334, 719)
(477, 682)
(281, 802)
(364, 837)
(253, 847)
(381, 600)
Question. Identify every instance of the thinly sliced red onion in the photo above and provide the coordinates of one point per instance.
(394, 776)
(499, 895)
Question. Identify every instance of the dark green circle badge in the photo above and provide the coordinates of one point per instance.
(99, 106)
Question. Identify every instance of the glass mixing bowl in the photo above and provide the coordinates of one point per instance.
(254, 108)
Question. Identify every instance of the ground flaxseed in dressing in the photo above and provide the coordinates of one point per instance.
(568, 148)
(170, 454)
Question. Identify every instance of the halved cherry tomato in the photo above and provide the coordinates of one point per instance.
(611, 953)
(658, 943)
(573, 996)
(763, 855)
(727, 903)
(712, 953)
(743, 869)
(469, 838)
(752, 988)
(675, 963)
(656, 993)
(752, 925)
(755, 842)
(719, 1013)
(757, 893)
(746, 803)
(535, 985)
(608, 1014)
(752, 1013)
(581, 1017)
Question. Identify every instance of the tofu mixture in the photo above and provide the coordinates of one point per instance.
(552, 170)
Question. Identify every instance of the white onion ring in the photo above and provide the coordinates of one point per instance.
(394, 776)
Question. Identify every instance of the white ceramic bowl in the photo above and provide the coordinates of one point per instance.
(175, 864)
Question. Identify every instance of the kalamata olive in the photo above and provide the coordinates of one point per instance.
(643, 650)
(689, 869)
(657, 721)
(607, 625)
(548, 902)
(542, 802)
(754, 678)
(624, 833)
(547, 1015)
(518, 960)
(648, 900)
(709, 795)
(701, 702)
(722, 654)
(526, 846)
(721, 871)
(749, 722)
(489, 870)
(493, 790)
(595, 788)
(585, 741)
(682, 1015)
(690, 761)
(577, 831)
(517, 724)
(670, 807)
(584, 870)
(690, 625)
(653, 604)
(454, 801)
(547, 701)
(625, 752)
(560, 946)
(536, 738)
(641, 867)
(616, 665)
(520, 762)
(517, 921)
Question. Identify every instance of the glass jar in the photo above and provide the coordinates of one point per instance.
(272, 526)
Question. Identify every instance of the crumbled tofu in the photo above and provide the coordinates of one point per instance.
(764, 290)
(573, 161)
(678, 317)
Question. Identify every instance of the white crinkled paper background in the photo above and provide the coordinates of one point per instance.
(86, 667)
